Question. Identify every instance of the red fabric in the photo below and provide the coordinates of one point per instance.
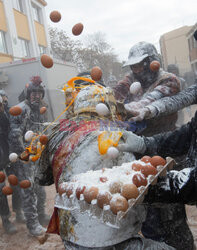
(59, 162)
(121, 89)
(54, 223)
(68, 145)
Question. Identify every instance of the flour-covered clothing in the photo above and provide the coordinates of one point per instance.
(74, 152)
(179, 142)
(34, 197)
(169, 105)
(167, 84)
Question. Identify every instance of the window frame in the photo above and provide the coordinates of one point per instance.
(18, 5)
(3, 40)
(36, 13)
(24, 46)
(194, 42)
(42, 48)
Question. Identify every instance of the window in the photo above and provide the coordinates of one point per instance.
(17, 4)
(23, 48)
(195, 42)
(36, 13)
(191, 43)
(3, 48)
(42, 50)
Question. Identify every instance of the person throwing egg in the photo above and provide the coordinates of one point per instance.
(145, 84)
(178, 189)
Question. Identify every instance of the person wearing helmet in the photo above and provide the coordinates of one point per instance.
(8, 226)
(72, 150)
(154, 86)
(170, 105)
(33, 198)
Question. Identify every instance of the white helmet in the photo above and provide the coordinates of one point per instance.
(140, 51)
(90, 96)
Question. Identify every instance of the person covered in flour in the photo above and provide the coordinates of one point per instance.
(33, 198)
(72, 149)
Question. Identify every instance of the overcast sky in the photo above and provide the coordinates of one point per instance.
(125, 22)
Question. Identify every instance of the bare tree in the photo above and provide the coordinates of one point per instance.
(99, 53)
(62, 46)
(95, 51)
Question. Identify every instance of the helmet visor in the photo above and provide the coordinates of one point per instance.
(134, 60)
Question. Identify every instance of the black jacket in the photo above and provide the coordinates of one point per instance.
(167, 222)
(178, 186)
(176, 143)
(4, 146)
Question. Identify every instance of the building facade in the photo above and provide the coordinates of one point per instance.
(192, 48)
(23, 29)
(175, 49)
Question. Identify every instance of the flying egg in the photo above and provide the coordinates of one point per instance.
(13, 157)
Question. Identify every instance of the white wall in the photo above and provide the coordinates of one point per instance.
(19, 73)
(57, 76)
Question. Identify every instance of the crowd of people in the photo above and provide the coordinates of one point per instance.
(154, 104)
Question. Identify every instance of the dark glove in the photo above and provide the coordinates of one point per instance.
(176, 187)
